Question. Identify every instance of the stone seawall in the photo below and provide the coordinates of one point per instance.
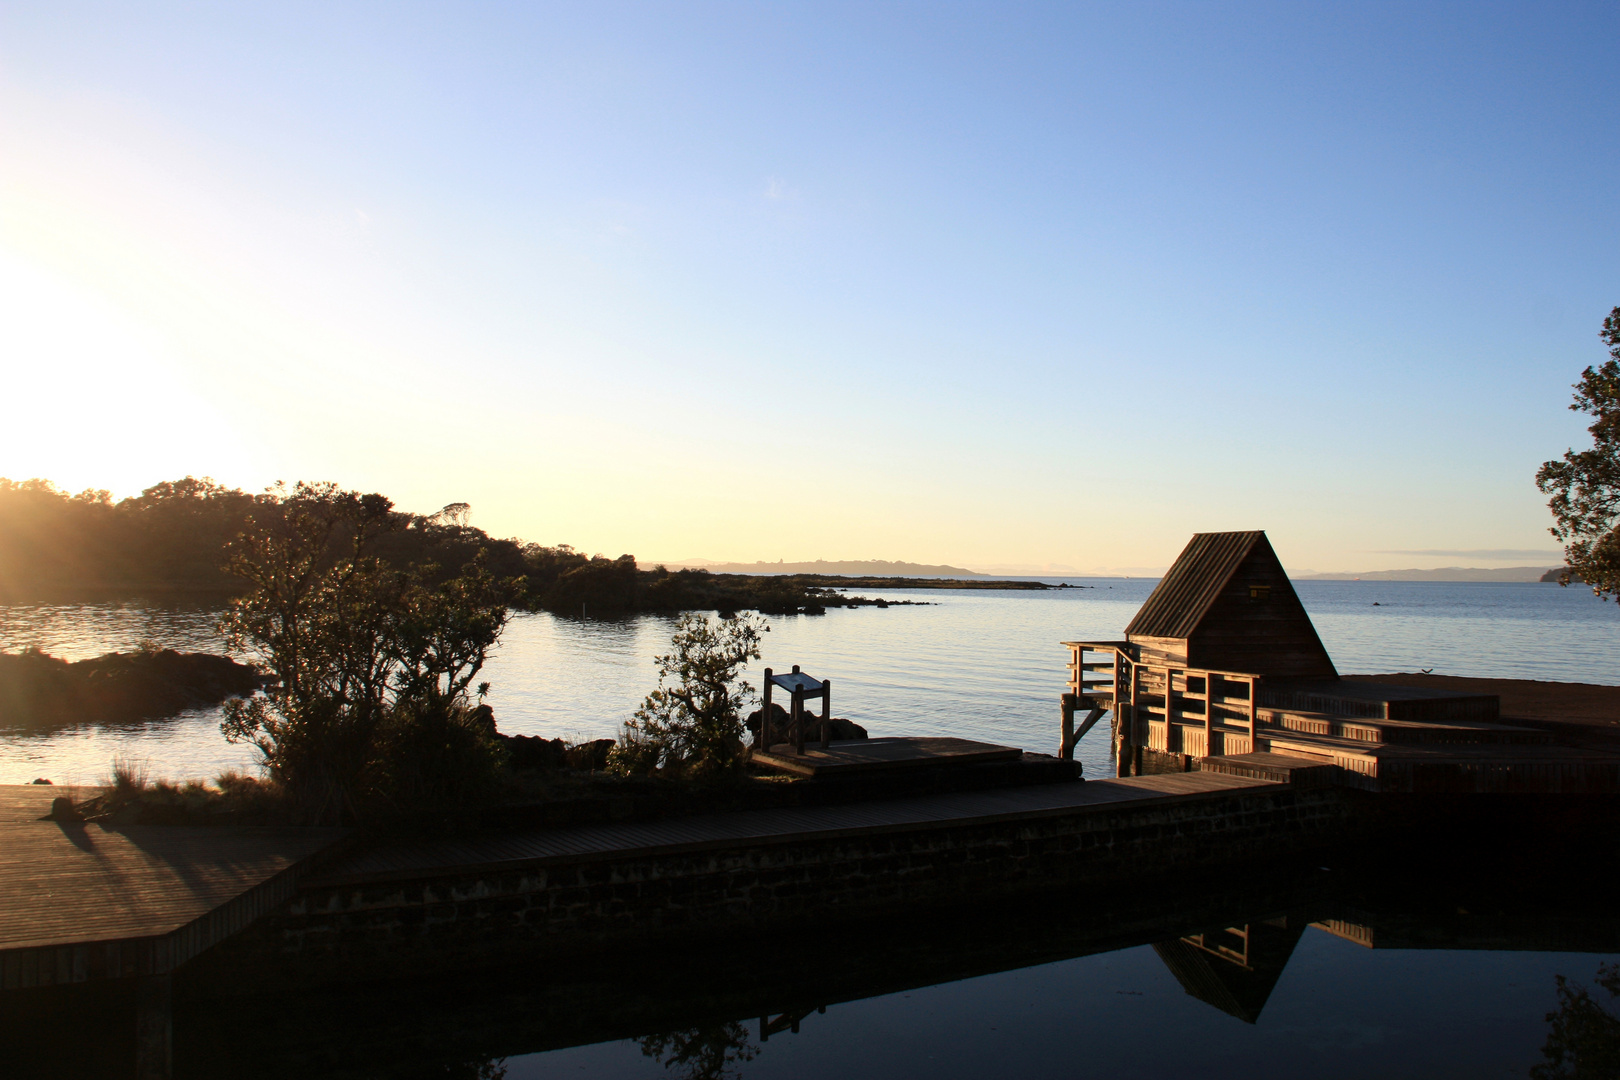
(460, 915)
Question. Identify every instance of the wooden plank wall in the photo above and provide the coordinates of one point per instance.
(1270, 636)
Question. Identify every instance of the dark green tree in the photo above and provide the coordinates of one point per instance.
(1585, 485)
(372, 664)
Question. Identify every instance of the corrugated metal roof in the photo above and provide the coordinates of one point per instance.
(1189, 588)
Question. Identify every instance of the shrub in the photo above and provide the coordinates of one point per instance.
(693, 722)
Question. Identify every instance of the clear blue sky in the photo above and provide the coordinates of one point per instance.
(992, 285)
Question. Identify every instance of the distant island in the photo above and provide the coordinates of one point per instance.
(838, 568)
(1445, 573)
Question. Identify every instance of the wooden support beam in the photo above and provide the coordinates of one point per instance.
(1091, 720)
(826, 713)
(1066, 740)
(798, 718)
(154, 1028)
(763, 739)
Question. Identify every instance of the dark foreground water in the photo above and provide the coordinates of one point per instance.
(1447, 968)
(1441, 968)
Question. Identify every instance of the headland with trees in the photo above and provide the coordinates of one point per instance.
(171, 538)
(367, 628)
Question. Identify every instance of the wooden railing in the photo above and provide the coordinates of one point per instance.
(1097, 676)
(1200, 712)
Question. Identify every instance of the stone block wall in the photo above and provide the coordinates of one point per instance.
(565, 905)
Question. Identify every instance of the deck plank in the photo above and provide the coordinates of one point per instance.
(30, 802)
(76, 884)
(68, 884)
(881, 755)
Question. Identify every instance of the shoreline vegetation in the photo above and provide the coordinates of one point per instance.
(42, 692)
(371, 626)
(171, 538)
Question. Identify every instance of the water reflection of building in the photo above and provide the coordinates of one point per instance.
(1234, 968)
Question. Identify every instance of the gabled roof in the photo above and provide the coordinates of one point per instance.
(1186, 593)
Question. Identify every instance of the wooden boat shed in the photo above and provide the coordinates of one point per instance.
(1223, 618)
(1222, 669)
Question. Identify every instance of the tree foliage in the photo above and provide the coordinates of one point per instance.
(1583, 1038)
(172, 535)
(373, 663)
(693, 723)
(1585, 485)
(714, 1052)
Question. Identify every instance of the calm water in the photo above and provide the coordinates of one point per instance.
(1339, 1010)
(1340, 974)
(986, 665)
(983, 665)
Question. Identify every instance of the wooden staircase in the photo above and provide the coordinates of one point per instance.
(1414, 756)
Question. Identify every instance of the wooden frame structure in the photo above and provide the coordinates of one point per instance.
(803, 688)
(1175, 683)
(1165, 707)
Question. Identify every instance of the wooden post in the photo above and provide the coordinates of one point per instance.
(1129, 763)
(1254, 714)
(798, 717)
(154, 1028)
(1209, 713)
(762, 740)
(1066, 741)
(826, 713)
(1123, 701)
(1170, 740)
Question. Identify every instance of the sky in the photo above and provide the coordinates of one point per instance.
(1021, 287)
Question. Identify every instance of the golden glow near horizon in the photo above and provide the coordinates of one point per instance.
(534, 298)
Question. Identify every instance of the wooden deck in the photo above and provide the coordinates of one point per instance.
(86, 901)
(882, 755)
(407, 860)
(30, 802)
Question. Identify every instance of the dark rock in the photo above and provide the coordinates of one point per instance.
(842, 729)
(533, 752)
(42, 780)
(483, 720)
(591, 755)
(62, 810)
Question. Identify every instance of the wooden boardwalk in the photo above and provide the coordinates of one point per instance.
(86, 901)
(882, 755)
(407, 860)
(30, 802)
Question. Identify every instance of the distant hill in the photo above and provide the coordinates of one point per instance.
(1444, 573)
(846, 568)
(1557, 571)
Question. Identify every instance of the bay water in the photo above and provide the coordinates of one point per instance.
(980, 664)
(989, 665)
